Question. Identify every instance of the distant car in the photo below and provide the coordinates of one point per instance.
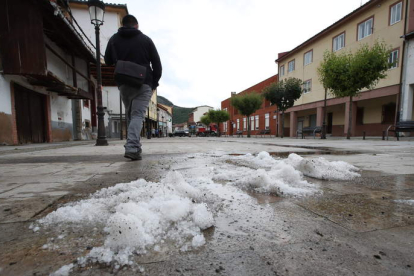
(181, 133)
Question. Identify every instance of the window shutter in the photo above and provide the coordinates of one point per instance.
(21, 25)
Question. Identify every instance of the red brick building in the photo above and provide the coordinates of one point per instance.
(262, 119)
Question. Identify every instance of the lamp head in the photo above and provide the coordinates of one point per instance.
(96, 11)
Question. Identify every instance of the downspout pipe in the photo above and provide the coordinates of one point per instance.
(400, 94)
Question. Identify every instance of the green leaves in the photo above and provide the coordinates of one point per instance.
(217, 116)
(346, 74)
(284, 93)
(205, 120)
(247, 104)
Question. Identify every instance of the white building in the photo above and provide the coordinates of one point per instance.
(110, 93)
(199, 111)
(164, 120)
(46, 93)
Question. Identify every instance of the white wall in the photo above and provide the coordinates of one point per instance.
(408, 82)
(199, 112)
(110, 99)
(56, 65)
(60, 109)
(110, 26)
(5, 96)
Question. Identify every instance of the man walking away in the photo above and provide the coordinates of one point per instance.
(130, 44)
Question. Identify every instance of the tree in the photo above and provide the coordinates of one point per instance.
(205, 120)
(247, 105)
(283, 94)
(218, 116)
(346, 74)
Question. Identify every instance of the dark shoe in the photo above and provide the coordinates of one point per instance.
(133, 155)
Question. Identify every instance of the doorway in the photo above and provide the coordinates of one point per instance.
(329, 124)
(30, 115)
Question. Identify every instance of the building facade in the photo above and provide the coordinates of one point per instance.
(111, 100)
(263, 119)
(164, 120)
(407, 99)
(373, 110)
(46, 92)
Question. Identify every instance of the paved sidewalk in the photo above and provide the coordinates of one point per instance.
(353, 229)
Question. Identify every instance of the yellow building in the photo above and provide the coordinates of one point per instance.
(373, 110)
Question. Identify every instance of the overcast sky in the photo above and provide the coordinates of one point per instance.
(210, 48)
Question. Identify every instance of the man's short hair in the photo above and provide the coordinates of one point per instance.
(129, 21)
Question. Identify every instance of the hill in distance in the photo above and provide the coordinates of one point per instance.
(180, 114)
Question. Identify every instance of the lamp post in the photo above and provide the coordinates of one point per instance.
(97, 12)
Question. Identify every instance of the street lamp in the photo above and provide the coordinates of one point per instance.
(97, 12)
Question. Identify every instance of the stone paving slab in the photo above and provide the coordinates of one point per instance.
(24, 209)
(361, 213)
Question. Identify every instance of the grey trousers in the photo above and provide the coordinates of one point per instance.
(136, 101)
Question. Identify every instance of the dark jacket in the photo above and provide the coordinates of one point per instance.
(131, 44)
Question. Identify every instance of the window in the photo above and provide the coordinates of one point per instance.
(393, 59)
(282, 71)
(312, 120)
(238, 124)
(291, 66)
(307, 86)
(244, 124)
(395, 13)
(257, 121)
(251, 122)
(308, 58)
(115, 126)
(365, 28)
(338, 42)
(267, 116)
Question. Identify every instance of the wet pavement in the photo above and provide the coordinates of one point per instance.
(356, 227)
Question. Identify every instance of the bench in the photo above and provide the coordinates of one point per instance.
(264, 132)
(310, 130)
(403, 126)
(223, 133)
(239, 133)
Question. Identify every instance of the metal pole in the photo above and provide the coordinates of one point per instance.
(101, 141)
(121, 135)
(323, 136)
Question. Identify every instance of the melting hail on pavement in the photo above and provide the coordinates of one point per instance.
(141, 217)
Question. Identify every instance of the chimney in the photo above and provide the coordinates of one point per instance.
(233, 94)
